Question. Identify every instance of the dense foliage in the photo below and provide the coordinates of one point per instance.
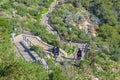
(10, 68)
(68, 14)
(102, 60)
(108, 13)
(63, 18)
(106, 46)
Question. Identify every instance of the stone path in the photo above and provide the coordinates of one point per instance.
(36, 41)
(23, 42)
(24, 51)
(23, 48)
(45, 19)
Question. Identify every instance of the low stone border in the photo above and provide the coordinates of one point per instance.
(39, 39)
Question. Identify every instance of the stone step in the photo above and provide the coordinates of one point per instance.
(23, 52)
(36, 42)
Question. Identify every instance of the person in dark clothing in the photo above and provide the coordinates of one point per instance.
(55, 52)
(79, 53)
(53, 49)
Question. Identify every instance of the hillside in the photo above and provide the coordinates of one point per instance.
(95, 22)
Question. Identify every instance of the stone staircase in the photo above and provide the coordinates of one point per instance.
(36, 42)
(23, 42)
(74, 54)
(22, 49)
(83, 47)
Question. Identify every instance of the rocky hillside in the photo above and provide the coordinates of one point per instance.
(66, 16)
(74, 20)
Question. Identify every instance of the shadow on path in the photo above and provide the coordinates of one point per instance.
(68, 58)
(27, 50)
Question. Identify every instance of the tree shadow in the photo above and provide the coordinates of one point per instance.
(27, 50)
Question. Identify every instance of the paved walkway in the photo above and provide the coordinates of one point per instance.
(36, 41)
(23, 48)
(23, 43)
(45, 19)
(83, 47)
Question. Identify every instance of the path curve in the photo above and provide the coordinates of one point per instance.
(30, 40)
(51, 29)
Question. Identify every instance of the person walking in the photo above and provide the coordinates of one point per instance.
(79, 54)
(56, 52)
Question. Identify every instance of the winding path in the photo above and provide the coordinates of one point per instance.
(22, 49)
(37, 41)
(23, 43)
(51, 29)
(45, 19)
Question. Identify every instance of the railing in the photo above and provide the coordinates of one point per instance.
(41, 61)
(29, 43)
(39, 39)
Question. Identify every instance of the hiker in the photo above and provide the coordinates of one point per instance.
(79, 54)
(55, 52)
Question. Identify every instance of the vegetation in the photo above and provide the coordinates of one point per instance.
(10, 68)
(102, 59)
(62, 19)
(70, 49)
(108, 13)
(41, 31)
(108, 39)
(39, 51)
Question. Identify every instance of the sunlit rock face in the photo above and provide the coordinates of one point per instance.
(84, 21)
(88, 25)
